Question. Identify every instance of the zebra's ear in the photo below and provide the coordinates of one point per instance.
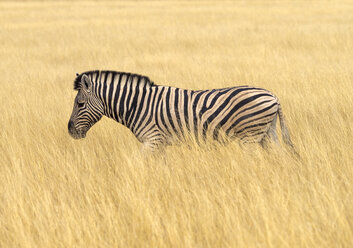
(86, 83)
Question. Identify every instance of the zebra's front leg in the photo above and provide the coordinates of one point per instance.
(152, 140)
(154, 145)
(150, 147)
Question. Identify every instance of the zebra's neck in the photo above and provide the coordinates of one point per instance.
(120, 93)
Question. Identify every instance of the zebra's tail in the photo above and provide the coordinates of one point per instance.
(284, 130)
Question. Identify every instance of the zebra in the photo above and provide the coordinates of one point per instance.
(161, 115)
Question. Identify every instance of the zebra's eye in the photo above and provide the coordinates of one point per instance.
(80, 104)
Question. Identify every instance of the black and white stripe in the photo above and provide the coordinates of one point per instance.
(161, 114)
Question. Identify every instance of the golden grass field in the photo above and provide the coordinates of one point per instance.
(101, 191)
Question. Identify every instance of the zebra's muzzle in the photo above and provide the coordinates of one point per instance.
(76, 134)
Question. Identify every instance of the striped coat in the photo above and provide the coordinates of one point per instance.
(160, 115)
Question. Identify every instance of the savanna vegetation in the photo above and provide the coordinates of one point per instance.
(102, 192)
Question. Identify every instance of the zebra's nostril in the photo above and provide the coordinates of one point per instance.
(71, 125)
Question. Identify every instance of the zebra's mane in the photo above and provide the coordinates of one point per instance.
(77, 82)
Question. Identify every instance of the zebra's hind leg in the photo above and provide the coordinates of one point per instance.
(271, 134)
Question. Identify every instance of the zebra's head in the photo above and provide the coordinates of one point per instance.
(88, 108)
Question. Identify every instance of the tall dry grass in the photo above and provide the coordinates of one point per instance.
(102, 192)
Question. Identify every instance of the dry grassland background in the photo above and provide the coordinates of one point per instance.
(102, 192)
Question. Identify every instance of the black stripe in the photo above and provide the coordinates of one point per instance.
(176, 105)
(127, 102)
(131, 112)
(168, 106)
(155, 107)
(252, 134)
(110, 94)
(255, 125)
(105, 93)
(100, 84)
(254, 106)
(162, 117)
(116, 98)
(122, 99)
(96, 84)
(139, 110)
(186, 116)
(194, 115)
